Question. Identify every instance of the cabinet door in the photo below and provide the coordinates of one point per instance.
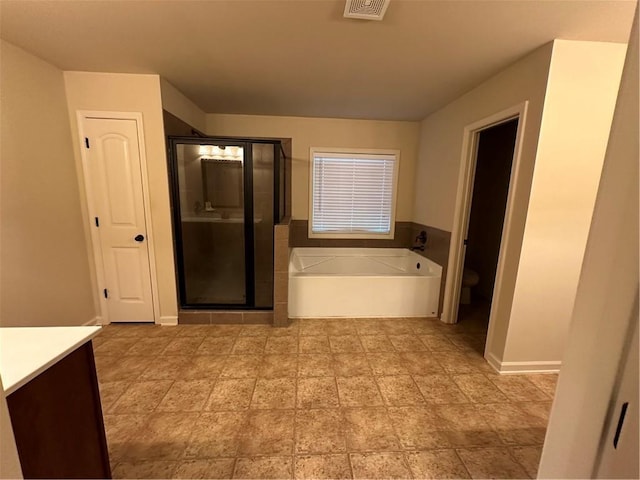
(57, 421)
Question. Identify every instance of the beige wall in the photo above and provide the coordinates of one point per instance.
(44, 276)
(574, 84)
(135, 93)
(581, 94)
(604, 306)
(439, 161)
(308, 132)
(174, 101)
(441, 135)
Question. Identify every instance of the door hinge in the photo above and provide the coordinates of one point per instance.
(97, 221)
(465, 242)
(106, 293)
(86, 142)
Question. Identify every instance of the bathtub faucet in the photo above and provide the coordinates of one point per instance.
(420, 241)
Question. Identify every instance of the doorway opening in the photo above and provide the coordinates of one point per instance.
(488, 319)
(491, 179)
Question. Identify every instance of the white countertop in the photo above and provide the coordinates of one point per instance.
(26, 352)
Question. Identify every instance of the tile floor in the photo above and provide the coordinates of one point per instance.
(323, 398)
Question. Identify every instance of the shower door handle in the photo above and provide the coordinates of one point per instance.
(139, 238)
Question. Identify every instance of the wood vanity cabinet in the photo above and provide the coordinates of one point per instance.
(57, 420)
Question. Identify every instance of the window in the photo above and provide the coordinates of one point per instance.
(353, 193)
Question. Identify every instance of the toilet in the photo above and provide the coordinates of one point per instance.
(469, 279)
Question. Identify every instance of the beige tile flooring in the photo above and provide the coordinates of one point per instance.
(323, 398)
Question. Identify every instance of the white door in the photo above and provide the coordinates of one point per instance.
(117, 202)
(621, 449)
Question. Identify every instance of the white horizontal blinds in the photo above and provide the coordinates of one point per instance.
(352, 193)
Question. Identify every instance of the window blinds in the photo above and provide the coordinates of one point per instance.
(352, 193)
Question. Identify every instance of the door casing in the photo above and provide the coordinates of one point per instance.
(95, 250)
(463, 210)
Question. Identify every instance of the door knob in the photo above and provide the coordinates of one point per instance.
(139, 238)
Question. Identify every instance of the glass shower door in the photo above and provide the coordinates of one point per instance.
(211, 240)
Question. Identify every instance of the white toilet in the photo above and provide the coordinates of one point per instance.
(469, 279)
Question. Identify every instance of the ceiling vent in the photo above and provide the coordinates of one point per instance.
(366, 9)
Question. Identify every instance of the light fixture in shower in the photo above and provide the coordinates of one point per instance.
(222, 153)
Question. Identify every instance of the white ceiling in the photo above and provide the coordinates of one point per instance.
(301, 57)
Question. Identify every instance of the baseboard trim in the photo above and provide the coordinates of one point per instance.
(493, 361)
(169, 320)
(522, 367)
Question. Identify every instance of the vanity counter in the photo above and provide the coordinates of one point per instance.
(51, 386)
(26, 352)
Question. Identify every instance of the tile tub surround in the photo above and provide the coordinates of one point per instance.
(281, 273)
(436, 249)
(299, 230)
(320, 398)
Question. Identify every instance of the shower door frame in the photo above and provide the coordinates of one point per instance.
(249, 237)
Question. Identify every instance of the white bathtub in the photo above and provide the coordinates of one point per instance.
(362, 282)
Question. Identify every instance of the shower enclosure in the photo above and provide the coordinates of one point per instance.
(226, 196)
